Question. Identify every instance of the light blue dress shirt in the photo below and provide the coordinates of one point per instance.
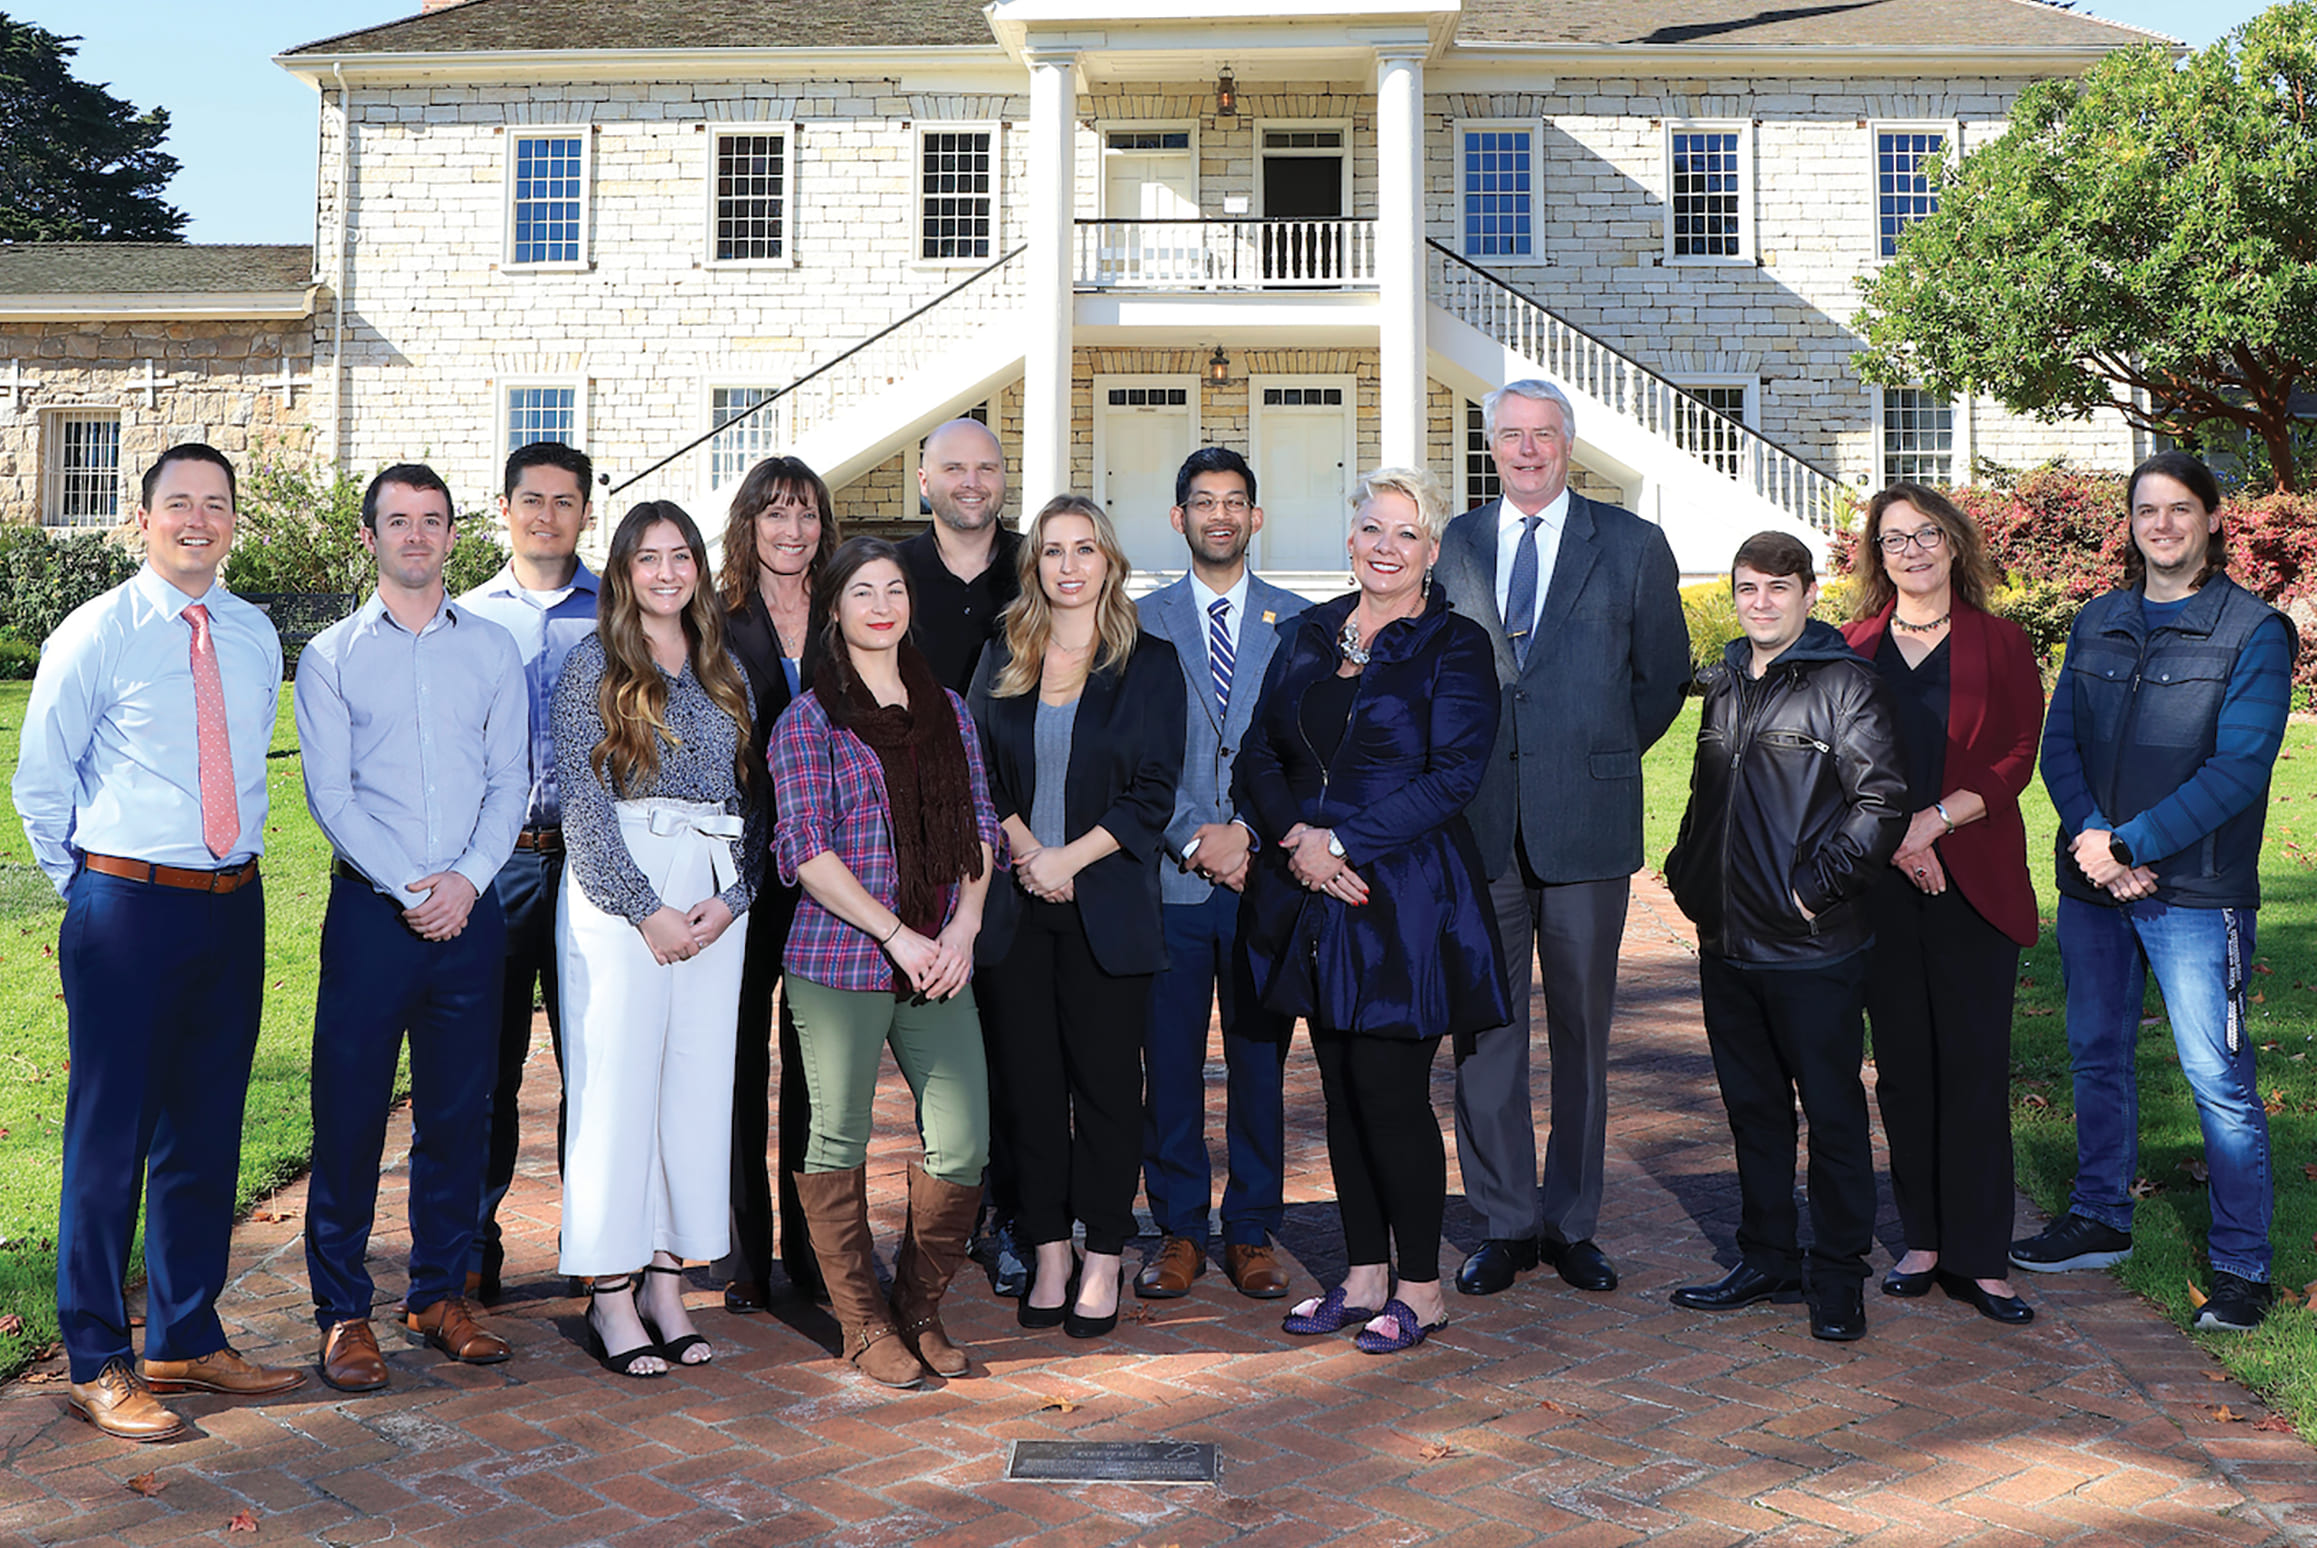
(545, 627)
(110, 761)
(415, 745)
(1509, 520)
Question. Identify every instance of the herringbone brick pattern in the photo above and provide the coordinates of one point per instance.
(1540, 1415)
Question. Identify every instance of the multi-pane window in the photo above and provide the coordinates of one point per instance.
(1707, 426)
(549, 194)
(958, 192)
(1148, 397)
(542, 414)
(1481, 484)
(1497, 168)
(1302, 397)
(1918, 437)
(751, 197)
(1148, 139)
(1707, 193)
(743, 442)
(82, 477)
(1906, 163)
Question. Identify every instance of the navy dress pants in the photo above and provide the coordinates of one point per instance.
(379, 980)
(161, 991)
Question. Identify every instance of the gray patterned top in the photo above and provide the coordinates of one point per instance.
(699, 768)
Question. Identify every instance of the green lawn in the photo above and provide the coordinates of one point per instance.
(278, 1131)
(2280, 1360)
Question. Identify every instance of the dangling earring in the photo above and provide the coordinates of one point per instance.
(1426, 594)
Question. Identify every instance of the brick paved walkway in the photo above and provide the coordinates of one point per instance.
(1540, 1415)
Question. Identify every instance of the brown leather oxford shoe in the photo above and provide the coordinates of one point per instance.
(350, 1358)
(1255, 1271)
(1168, 1272)
(120, 1404)
(221, 1371)
(450, 1325)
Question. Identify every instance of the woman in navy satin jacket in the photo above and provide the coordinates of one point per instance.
(1369, 909)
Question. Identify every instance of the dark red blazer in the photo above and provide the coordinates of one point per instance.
(1994, 721)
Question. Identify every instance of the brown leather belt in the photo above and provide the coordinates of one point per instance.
(232, 879)
(547, 841)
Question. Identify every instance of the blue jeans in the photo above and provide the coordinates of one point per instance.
(2200, 957)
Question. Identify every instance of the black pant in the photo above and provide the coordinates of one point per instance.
(1939, 997)
(1383, 1144)
(526, 887)
(1779, 1033)
(1067, 1044)
(1005, 1193)
(752, 1190)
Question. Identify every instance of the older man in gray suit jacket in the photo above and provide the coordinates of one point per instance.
(1583, 603)
(1223, 623)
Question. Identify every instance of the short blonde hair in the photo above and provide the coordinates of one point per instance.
(1412, 484)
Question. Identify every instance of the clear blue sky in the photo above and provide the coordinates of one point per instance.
(245, 130)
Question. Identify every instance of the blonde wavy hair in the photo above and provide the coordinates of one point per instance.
(1415, 485)
(633, 699)
(1029, 618)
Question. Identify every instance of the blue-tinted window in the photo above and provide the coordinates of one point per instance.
(1904, 159)
(549, 193)
(1499, 193)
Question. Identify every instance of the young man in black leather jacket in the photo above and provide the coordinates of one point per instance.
(1797, 801)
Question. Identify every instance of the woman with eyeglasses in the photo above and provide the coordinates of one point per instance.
(1956, 906)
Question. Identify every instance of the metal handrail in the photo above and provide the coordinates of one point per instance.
(830, 364)
(1794, 484)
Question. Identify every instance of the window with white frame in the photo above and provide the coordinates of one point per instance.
(81, 468)
(1707, 425)
(1496, 176)
(1907, 162)
(1918, 437)
(1709, 197)
(744, 440)
(539, 411)
(547, 198)
(752, 195)
(957, 188)
(1481, 483)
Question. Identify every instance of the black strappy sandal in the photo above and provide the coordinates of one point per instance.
(674, 1352)
(623, 1363)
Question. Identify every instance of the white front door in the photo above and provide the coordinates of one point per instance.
(1150, 176)
(1144, 426)
(1301, 444)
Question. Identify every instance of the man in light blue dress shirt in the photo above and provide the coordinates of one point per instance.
(412, 726)
(545, 598)
(142, 786)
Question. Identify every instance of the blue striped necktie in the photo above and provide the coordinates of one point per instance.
(1220, 657)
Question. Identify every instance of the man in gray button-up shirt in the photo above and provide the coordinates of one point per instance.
(413, 727)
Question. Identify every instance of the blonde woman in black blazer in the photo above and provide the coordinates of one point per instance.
(1073, 686)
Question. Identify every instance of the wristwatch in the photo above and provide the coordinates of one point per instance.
(2120, 852)
(1335, 846)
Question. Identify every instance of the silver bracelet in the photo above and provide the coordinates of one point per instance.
(1941, 808)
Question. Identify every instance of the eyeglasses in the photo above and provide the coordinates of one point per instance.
(1929, 540)
(1208, 505)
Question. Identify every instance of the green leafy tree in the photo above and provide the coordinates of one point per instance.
(77, 164)
(2143, 238)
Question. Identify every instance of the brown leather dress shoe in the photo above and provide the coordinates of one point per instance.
(119, 1403)
(450, 1325)
(1168, 1272)
(221, 1371)
(1255, 1270)
(350, 1358)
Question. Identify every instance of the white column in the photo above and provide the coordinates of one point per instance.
(1400, 254)
(1048, 300)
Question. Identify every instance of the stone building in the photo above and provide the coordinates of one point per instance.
(1313, 229)
(112, 351)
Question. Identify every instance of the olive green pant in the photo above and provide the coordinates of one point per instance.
(938, 1046)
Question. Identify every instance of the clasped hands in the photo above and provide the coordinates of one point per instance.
(939, 967)
(1310, 862)
(1046, 873)
(450, 898)
(678, 937)
(1220, 851)
(2125, 883)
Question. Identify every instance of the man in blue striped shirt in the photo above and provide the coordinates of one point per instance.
(2163, 729)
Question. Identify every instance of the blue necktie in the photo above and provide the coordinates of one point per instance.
(1219, 655)
(1520, 598)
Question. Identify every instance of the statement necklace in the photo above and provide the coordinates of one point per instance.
(1935, 624)
(1348, 642)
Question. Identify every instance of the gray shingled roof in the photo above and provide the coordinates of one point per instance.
(141, 268)
(627, 24)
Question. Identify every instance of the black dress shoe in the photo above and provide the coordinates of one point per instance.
(1838, 1315)
(2009, 1310)
(1580, 1264)
(1496, 1263)
(1909, 1286)
(1741, 1286)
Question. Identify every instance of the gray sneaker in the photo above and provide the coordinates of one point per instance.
(2072, 1242)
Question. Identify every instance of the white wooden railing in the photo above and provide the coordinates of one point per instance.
(1225, 254)
(1474, 296)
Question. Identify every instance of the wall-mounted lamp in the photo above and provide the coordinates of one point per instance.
(1226, 95)
(1218, 367)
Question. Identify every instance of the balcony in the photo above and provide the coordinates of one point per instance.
(1225, 255)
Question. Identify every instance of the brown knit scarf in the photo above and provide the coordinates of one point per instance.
(928, 788)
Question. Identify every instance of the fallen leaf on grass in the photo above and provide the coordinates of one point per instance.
(2309, 1174)
(2145, 1188)
(2196, 1169)
(1438, 1451)
(2034, 1102)
(2260, 997)
(1059, 1406)
(2263, 967)
(11, 1325)
(2275, 1424)
(2275, 1103)
(2196, 1297)
(242, 1521)
(2268, 1048)
(2038, 1010)
(2224, 1414)
(146, 1484)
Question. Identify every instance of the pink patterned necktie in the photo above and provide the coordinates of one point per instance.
(220, 807)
